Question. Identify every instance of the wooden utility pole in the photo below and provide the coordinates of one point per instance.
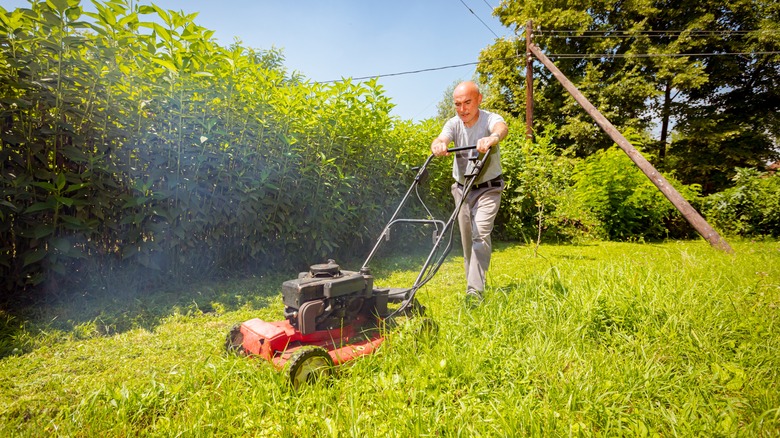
(529, 82)
(689, 213)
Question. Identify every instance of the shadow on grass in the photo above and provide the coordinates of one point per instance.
(118, 302)
(108, 310)
(115, 304)
(575, 257)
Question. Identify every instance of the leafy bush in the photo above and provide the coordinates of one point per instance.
(750, 208)
(535, 179)
(624, 201)
(604, 196)
(156, 156)
(411, 147)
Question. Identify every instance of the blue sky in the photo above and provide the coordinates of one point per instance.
(327, 40)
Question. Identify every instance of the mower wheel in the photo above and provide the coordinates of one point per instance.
(235, 340)
(308, 365)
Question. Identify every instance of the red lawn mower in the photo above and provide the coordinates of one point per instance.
(333, 316)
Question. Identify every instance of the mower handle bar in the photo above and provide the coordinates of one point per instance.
(449, 151)
(420, 172)
(429, 267)
(462, 148)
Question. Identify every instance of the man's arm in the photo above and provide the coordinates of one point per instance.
(498, 133)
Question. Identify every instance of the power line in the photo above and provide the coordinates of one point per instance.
(651, 55)
(480, 20)
(410, 72)
(559, 33)
(648, 33)
(562, 56)
(488, 5)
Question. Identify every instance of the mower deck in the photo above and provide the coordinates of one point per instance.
(278, 341)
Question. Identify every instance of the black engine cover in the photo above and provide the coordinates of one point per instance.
(327, 297)
(314, 285)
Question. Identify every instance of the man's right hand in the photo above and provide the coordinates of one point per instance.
(439, 148)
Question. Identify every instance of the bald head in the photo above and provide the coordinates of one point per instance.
(466, 87)
(467, 99)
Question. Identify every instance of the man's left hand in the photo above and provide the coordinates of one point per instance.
(485, 143)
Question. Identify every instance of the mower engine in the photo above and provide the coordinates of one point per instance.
(326, 298)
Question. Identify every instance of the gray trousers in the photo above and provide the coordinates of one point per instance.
(475, 219)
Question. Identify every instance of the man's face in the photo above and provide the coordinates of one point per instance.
(467, 102)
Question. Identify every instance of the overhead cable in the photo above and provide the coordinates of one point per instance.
(562, 56)
(488, 5)
(403, 72)
(480, 20)
(651, 55)
(647, 33)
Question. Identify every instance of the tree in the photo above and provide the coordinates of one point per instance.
(627, 58)
(535, 181)
(732, 120)
(616, 85)
(445, 109)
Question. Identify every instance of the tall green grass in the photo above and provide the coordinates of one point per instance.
(603, 339)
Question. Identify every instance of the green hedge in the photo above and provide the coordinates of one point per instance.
(142, 148)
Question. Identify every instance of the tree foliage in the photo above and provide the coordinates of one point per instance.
(706, 72)
(751, 207)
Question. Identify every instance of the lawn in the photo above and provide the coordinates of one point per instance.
(601, 339)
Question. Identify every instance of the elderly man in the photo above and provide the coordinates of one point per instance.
(474, 126)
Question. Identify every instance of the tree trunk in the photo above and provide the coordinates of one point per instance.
(665, 115)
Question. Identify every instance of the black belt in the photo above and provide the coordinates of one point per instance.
(495, 182)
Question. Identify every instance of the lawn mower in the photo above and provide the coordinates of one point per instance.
(332, 316)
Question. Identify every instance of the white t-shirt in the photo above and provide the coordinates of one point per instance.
(455, 130)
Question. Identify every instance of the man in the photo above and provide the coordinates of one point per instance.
(474, 126)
